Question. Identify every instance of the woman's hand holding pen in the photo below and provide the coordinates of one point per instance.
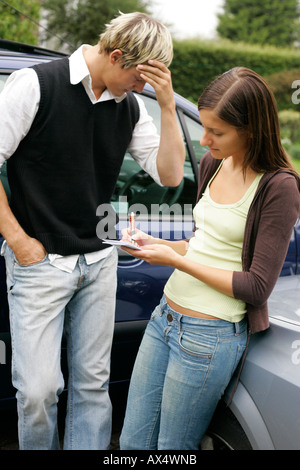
(155, 250)
(171, 253)
(154, 253)
(139, 237)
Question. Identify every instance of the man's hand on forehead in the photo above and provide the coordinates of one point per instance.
(159, 77)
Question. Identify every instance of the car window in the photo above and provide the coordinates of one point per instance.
(135, 186)
(154, 110)
(3, 79)
(195, 130)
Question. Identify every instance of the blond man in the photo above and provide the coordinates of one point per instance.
(73, 120)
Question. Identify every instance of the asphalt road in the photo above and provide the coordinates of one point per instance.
(8, 430)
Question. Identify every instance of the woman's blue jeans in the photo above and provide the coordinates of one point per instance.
(43, 301)
(182, 369)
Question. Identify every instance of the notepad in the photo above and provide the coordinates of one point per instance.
(120, 243)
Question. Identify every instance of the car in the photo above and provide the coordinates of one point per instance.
(264, 411)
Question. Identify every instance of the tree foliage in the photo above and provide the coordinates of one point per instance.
(81, 21)
(196, 63)
(274, 22)
(15, 23)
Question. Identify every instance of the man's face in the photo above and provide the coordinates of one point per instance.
(121, 80)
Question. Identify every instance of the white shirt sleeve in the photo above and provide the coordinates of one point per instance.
(145, 141)
(19, 101)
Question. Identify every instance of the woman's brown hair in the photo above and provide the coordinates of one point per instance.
(243, 99)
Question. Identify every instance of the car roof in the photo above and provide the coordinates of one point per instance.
(19, 49)
(15, 55)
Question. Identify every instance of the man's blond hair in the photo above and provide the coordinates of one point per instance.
(139, 37)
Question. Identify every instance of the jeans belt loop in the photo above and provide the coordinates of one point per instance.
(237, 328)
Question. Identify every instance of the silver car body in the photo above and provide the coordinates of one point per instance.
(267, 400)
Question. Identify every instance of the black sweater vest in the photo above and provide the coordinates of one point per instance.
(69, 162)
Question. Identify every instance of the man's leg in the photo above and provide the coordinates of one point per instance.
(37, 296)
(89, 326)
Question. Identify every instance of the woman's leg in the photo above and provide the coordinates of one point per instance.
(182, 369)
(203, 357)
(142, 419)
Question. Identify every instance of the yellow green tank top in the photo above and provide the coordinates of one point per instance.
(217, 242)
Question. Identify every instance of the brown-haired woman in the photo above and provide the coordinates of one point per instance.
(248, 203)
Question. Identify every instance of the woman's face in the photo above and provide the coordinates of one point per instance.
(222, 139)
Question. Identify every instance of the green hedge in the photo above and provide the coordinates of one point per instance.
(196, 63)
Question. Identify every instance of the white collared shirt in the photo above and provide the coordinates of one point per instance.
(19, 103)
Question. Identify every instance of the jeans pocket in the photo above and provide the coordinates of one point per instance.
(156, 311)
(33, 264)
(197, 350)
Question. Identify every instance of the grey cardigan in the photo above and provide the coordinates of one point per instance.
(271, 218)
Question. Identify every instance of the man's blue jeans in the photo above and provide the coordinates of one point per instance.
(44, 300)
(182, 369)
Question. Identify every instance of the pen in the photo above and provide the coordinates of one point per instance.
(132, 224)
